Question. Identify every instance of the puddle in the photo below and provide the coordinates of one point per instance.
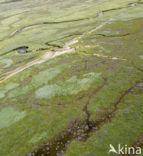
(100, 14)
(133, 4)
(22, 50)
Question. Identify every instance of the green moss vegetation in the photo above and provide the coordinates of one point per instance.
(9, 116)
(69, 87)
(86, 99)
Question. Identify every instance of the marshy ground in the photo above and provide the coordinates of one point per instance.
(71, 76)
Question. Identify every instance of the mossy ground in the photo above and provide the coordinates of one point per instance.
(40, 102)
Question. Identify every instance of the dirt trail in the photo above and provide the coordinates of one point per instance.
(66, 49)
(41, 59)
(112, 58)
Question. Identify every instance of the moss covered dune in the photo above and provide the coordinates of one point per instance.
(71, 76)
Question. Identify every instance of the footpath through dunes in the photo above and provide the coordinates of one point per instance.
(66, 49)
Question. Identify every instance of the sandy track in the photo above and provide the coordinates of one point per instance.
(112, 58)
(66, 49)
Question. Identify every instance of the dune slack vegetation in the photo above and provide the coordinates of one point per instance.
(71, 76)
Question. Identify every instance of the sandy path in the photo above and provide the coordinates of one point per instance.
(112, 58)
(66, 49)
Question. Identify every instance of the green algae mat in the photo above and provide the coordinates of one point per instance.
(71, 77)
